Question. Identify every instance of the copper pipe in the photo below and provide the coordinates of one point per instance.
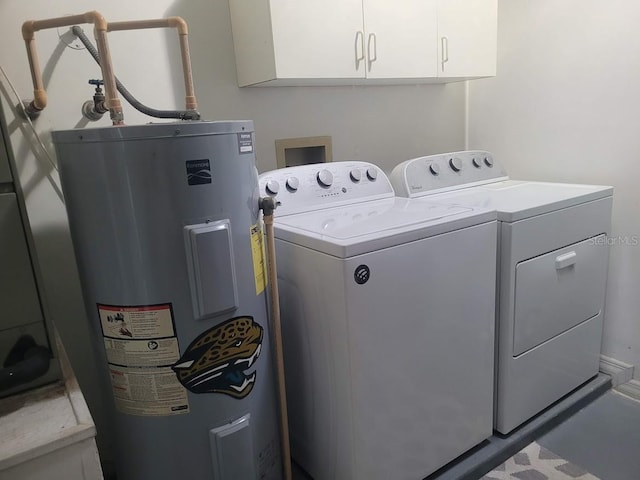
(40, 98)
(183, 31)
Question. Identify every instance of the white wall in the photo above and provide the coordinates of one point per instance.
(379, 124)
(565, 107)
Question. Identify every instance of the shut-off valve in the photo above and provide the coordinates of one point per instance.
(94, 110)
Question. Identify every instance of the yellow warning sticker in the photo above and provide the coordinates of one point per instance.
(257, 253)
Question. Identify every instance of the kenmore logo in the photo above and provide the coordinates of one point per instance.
(198, 172)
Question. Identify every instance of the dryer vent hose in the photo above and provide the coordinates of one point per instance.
(25, 362)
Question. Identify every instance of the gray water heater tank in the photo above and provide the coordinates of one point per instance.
(165, 226)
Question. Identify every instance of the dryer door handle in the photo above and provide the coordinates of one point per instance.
(566, 260)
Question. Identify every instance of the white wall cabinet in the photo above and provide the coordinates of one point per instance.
(399, 39)
(346, 42)
(467, 38)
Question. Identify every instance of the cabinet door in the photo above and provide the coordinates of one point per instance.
(400, 38)
(467, 31)
(318, 38)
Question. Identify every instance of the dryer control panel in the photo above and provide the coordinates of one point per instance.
(446, 171)
(324, 185)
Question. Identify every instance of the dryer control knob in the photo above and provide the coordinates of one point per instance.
(434, 168)
(455, 164)
(356, 175)
(488, 161)
(273, 187)
(372, 173)
(476, 162)
(325, 178)
(293, 183)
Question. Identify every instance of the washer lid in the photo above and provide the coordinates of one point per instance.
(360, 228)
(515, 200)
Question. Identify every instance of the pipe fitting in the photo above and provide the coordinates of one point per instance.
(28, 30)
(30, 109)
(97, 19)
(90, 112)
(179, 24)
(267, 205)
(39, 101)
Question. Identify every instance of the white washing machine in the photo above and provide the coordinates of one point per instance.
(552, 271)
(388, 323)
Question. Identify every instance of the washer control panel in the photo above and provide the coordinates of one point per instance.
(445, 171)
(324, 185)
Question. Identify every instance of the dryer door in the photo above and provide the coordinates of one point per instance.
(557, 291)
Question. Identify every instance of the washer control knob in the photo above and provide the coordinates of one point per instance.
(372, 173)
(356, 175)
(434, 168)
(476, 162)
(273, 187)
(325, 178)
(488, 161)
(455, 164)
(293, 183)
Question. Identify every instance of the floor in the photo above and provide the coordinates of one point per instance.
(594, 430)
(603, 438)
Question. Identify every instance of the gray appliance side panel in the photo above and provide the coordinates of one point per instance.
(20, 308)
(18, 293)
(15, 228)
(5, 170)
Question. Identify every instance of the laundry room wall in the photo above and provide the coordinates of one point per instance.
(564, 107)
(382, 124)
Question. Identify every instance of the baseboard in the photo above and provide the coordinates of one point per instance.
(630, 389)
(619, 372)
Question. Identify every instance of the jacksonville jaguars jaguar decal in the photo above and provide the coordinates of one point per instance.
(216, 361)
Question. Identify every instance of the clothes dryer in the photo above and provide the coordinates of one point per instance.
(552, 271)
(388, 323)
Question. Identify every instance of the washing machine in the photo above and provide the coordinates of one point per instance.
(552, 273)
(388, 323)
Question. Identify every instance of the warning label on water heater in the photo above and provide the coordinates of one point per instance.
(141, 345)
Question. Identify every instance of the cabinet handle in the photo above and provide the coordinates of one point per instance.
(372, 57)
(359, 51)
(566, 260)
(445, 50)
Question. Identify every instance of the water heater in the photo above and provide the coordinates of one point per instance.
(165, 226)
